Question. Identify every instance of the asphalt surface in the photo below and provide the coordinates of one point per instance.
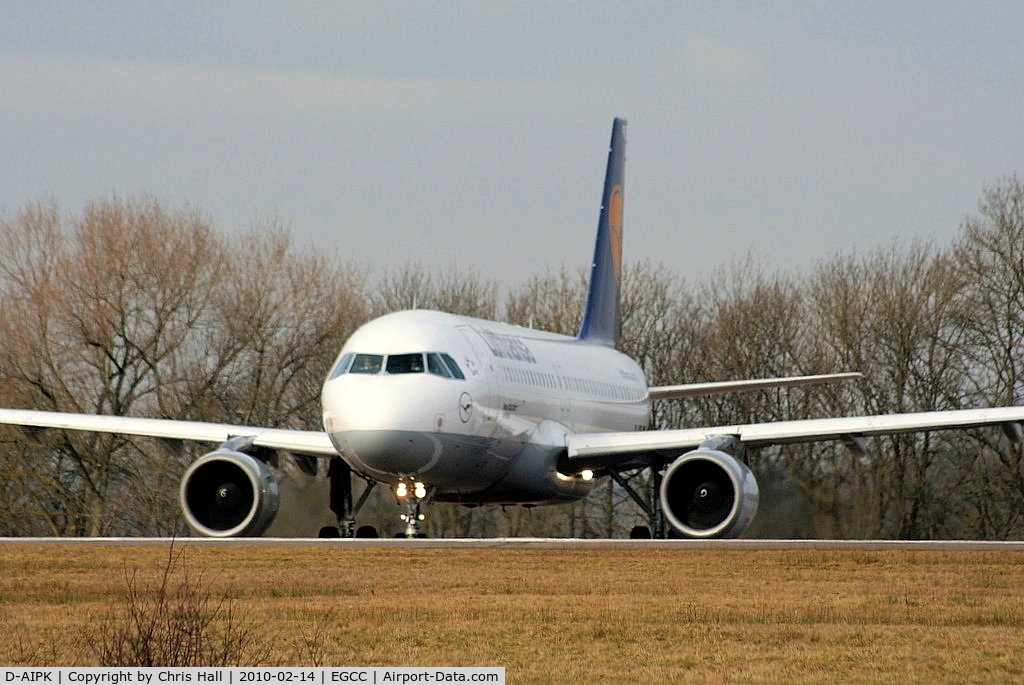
(547, 543)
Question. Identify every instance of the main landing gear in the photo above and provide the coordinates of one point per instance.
(340, 475)
(650, 504)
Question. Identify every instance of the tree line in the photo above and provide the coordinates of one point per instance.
(134, 307)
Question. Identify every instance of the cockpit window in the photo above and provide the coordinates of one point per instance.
(366, 363)
(436, 366)
(405, 363)
(452, 366)
(342, 366)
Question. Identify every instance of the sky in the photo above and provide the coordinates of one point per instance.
(474, 135)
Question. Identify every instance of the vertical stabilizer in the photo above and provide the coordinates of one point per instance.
(602, 319)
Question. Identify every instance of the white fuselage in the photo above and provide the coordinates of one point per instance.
(397, 409)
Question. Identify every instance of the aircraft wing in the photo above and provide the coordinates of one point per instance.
(636, 449)
(672, 392)
(312, 443)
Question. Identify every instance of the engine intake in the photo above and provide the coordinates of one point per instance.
(229, 494)
(707, 493)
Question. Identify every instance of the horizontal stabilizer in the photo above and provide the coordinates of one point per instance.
(673, 392)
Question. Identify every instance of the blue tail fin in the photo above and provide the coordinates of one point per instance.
(602, 319)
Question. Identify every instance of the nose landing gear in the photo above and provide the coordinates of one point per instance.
(412, 495)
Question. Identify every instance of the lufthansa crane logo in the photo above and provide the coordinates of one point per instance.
(465, 407)
(615, 228)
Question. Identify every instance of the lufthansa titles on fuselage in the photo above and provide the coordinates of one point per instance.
(507, 346)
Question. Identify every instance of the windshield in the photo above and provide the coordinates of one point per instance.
(405, 363)
(434, 363)
(366, 363)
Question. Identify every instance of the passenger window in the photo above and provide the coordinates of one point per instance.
(341, 367)
(436, 366)
(405, 363)
(453, 366)
(366, 363)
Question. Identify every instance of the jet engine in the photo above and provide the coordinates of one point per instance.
(228, 493)
(708, 493)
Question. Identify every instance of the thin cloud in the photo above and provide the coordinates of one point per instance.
(717, 59)
(126, 88)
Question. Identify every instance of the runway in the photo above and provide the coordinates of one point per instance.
(546, 544)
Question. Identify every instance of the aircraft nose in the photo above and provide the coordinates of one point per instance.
(368, 406)
(385, 428)
(399, 453)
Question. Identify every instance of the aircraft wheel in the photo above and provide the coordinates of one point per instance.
(367, 532)
(329, 532)
(640, 533)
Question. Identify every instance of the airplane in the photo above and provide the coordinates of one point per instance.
(447, 408)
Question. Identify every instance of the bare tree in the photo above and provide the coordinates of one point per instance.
(990, 261)
(277, 319)
(90, 318)
(132, 307)
(454, 291)
(136, 309)
(891, 315)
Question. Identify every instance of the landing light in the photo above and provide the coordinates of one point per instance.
(584, 475)
(418, 490)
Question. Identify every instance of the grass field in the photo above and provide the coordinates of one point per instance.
(552, 616)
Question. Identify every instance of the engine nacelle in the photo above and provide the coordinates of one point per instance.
(707, 493)
(229, 494)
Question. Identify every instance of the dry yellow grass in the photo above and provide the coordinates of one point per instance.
(564, 616)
